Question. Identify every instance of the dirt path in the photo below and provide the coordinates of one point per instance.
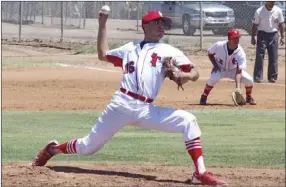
(91, 174)
(61, 88)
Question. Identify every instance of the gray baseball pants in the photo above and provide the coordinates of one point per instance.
(267, 41)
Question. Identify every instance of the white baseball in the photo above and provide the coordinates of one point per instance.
(105, 9)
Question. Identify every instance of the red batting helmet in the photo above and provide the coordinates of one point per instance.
(233, 33)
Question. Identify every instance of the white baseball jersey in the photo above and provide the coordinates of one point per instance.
(266, 20)
(228, 62)
(143, 68)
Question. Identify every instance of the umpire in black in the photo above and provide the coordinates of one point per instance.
(267, 20)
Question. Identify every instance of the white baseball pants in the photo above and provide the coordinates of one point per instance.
(121, 112)
(246, 79)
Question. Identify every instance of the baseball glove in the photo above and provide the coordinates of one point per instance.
(237, 97)
(173, 72)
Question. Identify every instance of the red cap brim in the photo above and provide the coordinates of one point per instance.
(167, 21)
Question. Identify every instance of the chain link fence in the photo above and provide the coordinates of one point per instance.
(74, 13)
(60, 15)
(71, 20)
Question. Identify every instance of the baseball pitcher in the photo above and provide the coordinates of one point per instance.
(143, 66)
(229, 60)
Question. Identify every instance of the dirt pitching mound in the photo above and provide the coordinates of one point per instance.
(92, 174)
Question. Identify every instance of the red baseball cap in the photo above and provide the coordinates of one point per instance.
(153, 15)
(233, 33)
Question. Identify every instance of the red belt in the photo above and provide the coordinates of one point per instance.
(136, 96)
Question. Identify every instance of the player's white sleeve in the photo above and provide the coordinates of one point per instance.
(115, 56)
(281, 17)
(182, 61)
(255, 19)
(213, 49)
(241, 61)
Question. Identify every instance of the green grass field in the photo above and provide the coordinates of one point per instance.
(252, 138)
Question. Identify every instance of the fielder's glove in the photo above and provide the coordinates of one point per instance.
(237, 97)
(174, 73)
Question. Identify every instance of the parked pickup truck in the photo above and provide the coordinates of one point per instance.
(186, 15)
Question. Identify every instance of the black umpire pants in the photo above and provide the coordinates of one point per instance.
(267, 41)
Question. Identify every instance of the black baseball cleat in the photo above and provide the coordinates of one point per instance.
(203, 100)
(271, 80)
(250, 101)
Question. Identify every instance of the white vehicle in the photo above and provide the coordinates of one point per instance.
(186, 15)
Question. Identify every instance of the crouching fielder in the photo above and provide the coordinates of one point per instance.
(229, 61)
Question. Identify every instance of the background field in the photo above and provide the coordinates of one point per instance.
(57, 90)
(23, 135)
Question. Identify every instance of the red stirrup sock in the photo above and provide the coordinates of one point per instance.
(194, 149)
(65, 148)
(207, 90)
(248, 90)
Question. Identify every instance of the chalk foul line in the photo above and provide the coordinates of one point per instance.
(114, 71)
(87, 67)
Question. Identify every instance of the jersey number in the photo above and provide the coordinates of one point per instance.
(154, 57)
(129, 67)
